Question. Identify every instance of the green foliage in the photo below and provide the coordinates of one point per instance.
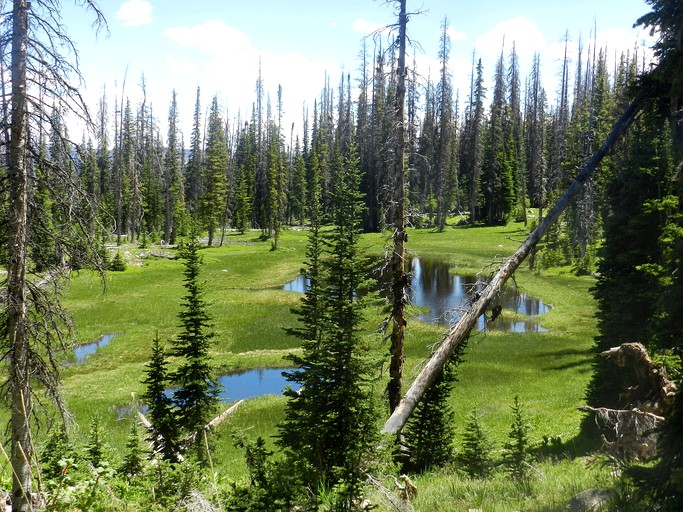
(54, 459)
(628, 288)
(118, 264)
(273, 485)
(164, 433)
(329, 427)
(516, 455)
(475, 458)
(96, 448)
(196, 396)
(132, 464)
(214, 174)
(430, 429)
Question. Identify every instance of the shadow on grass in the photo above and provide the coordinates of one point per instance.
(586, 358)
(586, 442)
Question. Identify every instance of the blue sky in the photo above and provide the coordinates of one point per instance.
(217, 44)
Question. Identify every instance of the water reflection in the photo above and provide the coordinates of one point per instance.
(253, 383)
(447, 296)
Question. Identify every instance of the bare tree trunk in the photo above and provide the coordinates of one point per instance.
(459, 333)
(17, 326)
(398, 273)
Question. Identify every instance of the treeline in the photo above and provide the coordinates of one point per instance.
(502, 154)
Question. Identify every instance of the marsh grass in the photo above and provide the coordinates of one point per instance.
(243, 280)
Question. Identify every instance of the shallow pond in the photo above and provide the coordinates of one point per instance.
(253, 383)
(81, 352)
(441, 298)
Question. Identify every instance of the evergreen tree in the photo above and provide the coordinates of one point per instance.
(497, 186)
(475, 457)
(445, 136)
(133, 459)
(516, 456)
(58, 453)
(214, 173)
(196, 396)
(329, 426)
(95, 447)
(471, 147)
(173, 191)
(429, 432)
(193, 170)
(627, 288)
(164, 434)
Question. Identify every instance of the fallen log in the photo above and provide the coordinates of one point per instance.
(210, 425)
(460, 332)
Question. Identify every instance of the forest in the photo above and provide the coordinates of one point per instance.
(177, 256)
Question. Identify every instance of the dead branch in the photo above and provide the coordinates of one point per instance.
(629, 434)
(650, 389)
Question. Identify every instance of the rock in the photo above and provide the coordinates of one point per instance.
(589, 500)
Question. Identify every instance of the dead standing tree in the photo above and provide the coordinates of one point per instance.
(399, 279)
(461, 331)
(32, 321)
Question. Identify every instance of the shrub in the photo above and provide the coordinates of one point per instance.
(118, 264)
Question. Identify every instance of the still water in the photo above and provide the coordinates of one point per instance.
(81, 352)
(441, 297)
(252, 383)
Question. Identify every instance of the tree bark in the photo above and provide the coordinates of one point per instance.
(17, 327)
(398, 272)
(459, 333)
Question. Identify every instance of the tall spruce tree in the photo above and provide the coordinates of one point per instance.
(196, 396)
(214, 174)
(173, 189)
(329, 426)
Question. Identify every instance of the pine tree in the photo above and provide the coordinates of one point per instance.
(173, 197)
(516, 456)
(133, 459)
(214, 173)
(497, 187)
(196, 396)
(329, 426)
(475, 457)
(445, 136)
(163, 434)
(428, 434)
(58, 453)
(95, 447)
(193, 170)
(627, 289)
(471, 147)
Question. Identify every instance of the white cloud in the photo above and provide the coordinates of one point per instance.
(134, 13)
(455, 35)
(226, 62)
(212, 36)
(526, 35)
(365, 26)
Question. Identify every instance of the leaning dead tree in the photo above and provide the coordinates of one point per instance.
(461, 331)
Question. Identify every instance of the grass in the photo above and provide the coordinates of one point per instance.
(243, 280)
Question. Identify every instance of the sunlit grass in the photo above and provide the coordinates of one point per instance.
(243, 280)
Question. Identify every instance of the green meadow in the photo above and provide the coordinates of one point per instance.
(243, 282)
